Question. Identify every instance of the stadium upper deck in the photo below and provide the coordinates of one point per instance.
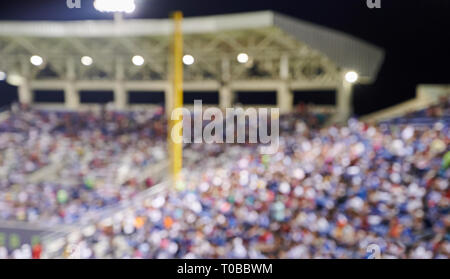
(259, 51)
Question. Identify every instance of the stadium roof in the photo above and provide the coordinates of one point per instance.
(343, 50)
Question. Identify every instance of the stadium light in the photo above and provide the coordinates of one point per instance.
(138, 60)
(242, 58)
(87, 60)
(2, 76)
(351, 77)
(36, 60)
(188, 59)
(115, 6)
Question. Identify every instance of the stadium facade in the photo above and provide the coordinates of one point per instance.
(283, 55)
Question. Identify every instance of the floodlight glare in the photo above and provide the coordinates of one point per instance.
(2, 76)
(36, 60)
(115, 6)
(351, 77)
(242, 58)
(87, 60)
(188, 59)
(138, 60)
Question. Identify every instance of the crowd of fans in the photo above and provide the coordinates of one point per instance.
(56, 166)
(327, 193)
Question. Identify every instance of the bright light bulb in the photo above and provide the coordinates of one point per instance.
(138, 60)
(36, 60)
(87, 60)
(188, 59)
(351, 77)
(115, 6)
(2, 76)
(242, 58)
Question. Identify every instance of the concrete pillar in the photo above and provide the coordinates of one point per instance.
(284, 67)
(120, 93)
(25, 92)
(226, 70)
(226, 94)
(344, 101)
(226, 97)
(285, 99)
(71, 95)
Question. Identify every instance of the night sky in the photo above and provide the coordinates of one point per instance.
(414, 34)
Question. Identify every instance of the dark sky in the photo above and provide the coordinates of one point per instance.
(414, 34)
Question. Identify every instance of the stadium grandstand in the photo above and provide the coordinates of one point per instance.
(250, 52)
(84, 180)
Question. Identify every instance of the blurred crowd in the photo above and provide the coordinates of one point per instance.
(329, 192)
(55, 166)
(332, 192)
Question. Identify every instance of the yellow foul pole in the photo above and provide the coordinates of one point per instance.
(175, 131)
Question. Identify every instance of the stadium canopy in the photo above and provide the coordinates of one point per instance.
(278, 53)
